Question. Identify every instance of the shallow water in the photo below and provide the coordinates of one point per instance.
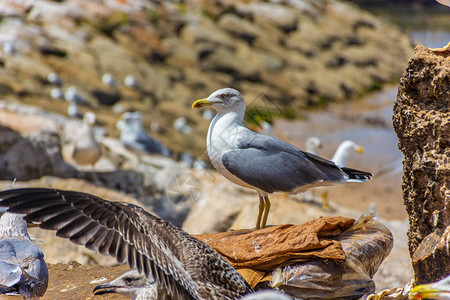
(368, 122)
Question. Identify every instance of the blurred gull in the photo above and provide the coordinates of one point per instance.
(131, 284)
(72, 95)
(86, 150)
(74, 110)
(109, 80)
(340, 157)
(313, 144)
(9, 48)
(57, 93)
(130, 81)
(54, 79)
(208, 115)
(181, 125)
(261, 162)
(133, 135)
(22, 267)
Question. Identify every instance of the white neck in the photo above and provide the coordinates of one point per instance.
(13, 225)
(340, 157)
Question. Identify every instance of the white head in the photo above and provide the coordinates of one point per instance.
(313, 144)
(89, 118)
(340, 157)
(129, 284)
(223, 101)
(13, 225)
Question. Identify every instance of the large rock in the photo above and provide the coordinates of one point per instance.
(422, 122)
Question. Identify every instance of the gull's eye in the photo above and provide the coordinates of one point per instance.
(128, 280)
(224, 96)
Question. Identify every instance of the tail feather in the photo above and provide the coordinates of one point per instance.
(356, 175)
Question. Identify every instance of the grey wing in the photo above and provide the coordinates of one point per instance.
(273, 165)
(108, 227)
(150, 145)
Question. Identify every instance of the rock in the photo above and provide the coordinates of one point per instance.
(218, 205)
(33, 157)
(240, 27)
(275, 14)
(422, 123)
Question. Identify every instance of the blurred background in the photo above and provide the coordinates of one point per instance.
(327, 69)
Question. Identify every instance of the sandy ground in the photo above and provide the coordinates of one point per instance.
(74, 281)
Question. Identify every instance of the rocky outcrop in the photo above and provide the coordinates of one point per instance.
(422, 122)
(297, 53)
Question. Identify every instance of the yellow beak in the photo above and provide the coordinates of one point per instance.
(201, 103)
(424, 291)
(359, 149)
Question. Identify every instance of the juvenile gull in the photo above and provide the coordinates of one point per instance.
(183, 266)
(261, 162)
(22, 267)
(131, 284)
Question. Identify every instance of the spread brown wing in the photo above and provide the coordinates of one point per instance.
(121, 230)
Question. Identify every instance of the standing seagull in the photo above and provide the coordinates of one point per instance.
(22, 267)
(86, 150)
(134, 136)
(183, 266)
(261, 162)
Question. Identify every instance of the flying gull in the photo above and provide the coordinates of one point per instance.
(131, 284)
(263, 162)
(22, 267)
(183, 266)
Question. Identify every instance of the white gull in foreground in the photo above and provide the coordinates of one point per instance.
(261, 162)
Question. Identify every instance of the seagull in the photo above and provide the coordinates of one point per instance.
(86, 149)
(133, 135)
(131, 284)
(313, 144)
(261, 162)
(74, 110)
(436, 290)
(22, 267)
(340, 157)
(183, 266)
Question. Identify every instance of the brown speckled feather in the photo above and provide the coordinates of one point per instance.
(183, 266)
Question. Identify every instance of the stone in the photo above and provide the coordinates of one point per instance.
(275, 14)
(422, 123)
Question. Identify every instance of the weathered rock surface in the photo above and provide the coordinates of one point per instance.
(297, 52)
(422, 122)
